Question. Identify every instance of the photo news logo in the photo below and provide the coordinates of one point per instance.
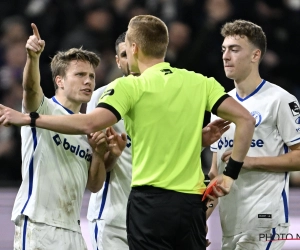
(278, 237)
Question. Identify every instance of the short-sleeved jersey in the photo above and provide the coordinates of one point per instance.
(54, 172)
(163, 109)
(260, 198)
(111, 201)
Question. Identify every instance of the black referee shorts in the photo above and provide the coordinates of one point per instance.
(161, 219)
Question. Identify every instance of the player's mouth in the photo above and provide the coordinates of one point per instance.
(87, 91)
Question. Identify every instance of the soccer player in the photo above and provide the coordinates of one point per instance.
(258, 202)
(107, 208)
(56, 167)
(163, 109)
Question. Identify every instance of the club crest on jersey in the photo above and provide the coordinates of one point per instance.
(73, 149)
(294, 106)
(257, 117)
(297, 121)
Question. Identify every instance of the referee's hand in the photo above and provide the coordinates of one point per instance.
(223, 186)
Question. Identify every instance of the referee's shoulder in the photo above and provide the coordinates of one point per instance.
(189, 73)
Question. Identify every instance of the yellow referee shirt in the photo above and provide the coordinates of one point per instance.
(163, 110)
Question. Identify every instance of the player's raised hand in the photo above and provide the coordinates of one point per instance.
(213, 131)
(116, 142)
(35, 45)
(98, 142)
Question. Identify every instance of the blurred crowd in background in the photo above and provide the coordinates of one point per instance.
(195, 44)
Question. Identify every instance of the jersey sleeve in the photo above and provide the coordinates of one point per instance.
(42, 109)
(46, 107)
(288, 119)
(119, 96)
(214, 92)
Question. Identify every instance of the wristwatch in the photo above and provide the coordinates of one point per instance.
(33, 116)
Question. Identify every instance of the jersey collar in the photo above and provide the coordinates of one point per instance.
(253, 93)
(158, 66)
(68, 110)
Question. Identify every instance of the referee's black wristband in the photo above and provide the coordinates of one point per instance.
(233, 168)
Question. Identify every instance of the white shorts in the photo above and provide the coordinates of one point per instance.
(31, 235)
(107, 237)
(258, 239)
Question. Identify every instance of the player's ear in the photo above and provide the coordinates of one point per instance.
(59, 80)
(256, 55)
(134, 48)
(118, 61)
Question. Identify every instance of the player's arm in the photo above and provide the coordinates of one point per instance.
(213, 172)
(110, 161)
(283, 163)
(107, 113)
(97, 172)
(287, 110)
(228, 109)
(212, 202)
(32, 91)
(98, 119)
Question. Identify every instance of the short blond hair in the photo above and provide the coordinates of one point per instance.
(150, 34)
(62, 59)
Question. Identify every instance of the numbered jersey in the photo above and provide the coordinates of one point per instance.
(54, 172)
(111, 201)
(259, 198)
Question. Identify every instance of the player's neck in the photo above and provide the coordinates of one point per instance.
(245, 87)
(71, 105)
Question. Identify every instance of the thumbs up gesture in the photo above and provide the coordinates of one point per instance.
(35, 45)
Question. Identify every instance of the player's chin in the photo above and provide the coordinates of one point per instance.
(85, 98)
(229, 75)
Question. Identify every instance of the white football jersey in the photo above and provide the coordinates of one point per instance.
(54, 172)
(260, 198)
(111, 201)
